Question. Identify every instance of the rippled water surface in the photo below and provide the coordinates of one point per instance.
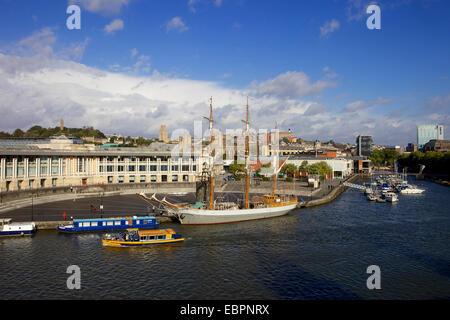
(316, 253)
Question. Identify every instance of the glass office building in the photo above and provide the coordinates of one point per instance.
(364, 145)
(429, 132)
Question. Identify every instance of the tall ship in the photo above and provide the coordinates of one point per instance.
(270, 206)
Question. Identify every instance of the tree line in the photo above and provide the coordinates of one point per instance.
(40, 132)
(321, 169)
(434, 162)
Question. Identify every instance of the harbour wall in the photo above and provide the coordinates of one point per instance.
(336, 192)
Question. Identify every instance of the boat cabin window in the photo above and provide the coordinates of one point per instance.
(117, 223)
(160, 237)
(94, 224)
(86, 224)
(137, 222)
(109, 223)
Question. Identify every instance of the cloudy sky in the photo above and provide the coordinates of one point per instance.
(312, 66)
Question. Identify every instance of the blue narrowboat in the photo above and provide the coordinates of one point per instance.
(108, 224)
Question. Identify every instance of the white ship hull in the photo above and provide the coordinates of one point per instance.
(199, 216)
(411, 191)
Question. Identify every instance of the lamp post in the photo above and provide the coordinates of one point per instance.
(32, 207)
(101, 206)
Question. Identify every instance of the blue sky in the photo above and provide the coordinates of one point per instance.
(313, 66)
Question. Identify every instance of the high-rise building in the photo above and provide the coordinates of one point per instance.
(427, 132)
(364, 144)
(163, 134)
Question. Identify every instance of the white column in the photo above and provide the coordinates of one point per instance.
(3, 168)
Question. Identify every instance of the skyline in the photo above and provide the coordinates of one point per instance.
(314, 69)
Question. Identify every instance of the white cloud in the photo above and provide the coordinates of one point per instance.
(143, 64)
(106, 7)
(329, 27)
(291, 84)
(114, 26)
(360, 104)
(192, 4)
(133, 53)
(176, 24)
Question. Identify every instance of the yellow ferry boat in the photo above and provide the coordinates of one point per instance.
(137, 238)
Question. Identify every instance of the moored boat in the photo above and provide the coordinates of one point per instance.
(7, 228)
(410, 189)
(105, 224)
(371, 197)
(139, 238)
(391, 197)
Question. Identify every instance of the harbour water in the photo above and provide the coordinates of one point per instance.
(315, 253)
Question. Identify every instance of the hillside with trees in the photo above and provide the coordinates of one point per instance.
(40, 132)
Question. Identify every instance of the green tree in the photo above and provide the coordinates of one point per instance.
(289, 169)
(304, 166)
(18, 133)
(237, 169)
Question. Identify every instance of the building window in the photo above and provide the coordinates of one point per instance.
(174, 167)
(20, 171)
(185, 167)
(120, 179)
(110, 179)
(153, 168)
(164, 178)
(185, 177)
(132, 168)
(153, 178)
(32, 171)
(54, 182)
(175, 178)
(131, 179)
(142, 168)
(142, 179)
(163, 167)
(120, 168)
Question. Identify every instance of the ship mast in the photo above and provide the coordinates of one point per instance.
(276, 168)
(247, 167)
(275, 162)
(211, 189)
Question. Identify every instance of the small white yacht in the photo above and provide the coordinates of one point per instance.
(17, 228)
(411, 189)
(391, 197)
